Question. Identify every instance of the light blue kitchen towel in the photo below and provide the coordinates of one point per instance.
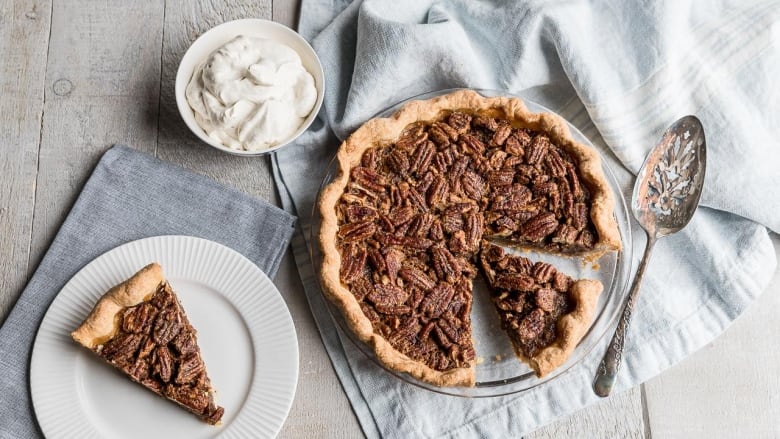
(619, 71)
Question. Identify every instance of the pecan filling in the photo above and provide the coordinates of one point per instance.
(529, 297)
(157, 347)
(414, 212)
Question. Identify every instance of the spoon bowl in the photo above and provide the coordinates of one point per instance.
(666, 194)
(669, 184)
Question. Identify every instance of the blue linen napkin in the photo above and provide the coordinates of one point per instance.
(129, 196)
(620, 72)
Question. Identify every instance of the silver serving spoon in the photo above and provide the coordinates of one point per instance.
(666, 194)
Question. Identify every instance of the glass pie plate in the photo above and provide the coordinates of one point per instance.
(498, 371)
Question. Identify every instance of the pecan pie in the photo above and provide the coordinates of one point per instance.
(417, 193)
(140, 328)
(544, 312)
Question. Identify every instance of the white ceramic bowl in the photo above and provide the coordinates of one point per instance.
(218, 36)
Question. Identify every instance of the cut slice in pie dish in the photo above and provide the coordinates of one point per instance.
(543, 311)
(140, 327)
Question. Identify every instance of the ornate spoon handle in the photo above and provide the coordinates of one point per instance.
(607, 370)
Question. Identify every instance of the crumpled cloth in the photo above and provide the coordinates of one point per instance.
(620, 72)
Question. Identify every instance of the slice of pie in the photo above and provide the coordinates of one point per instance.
(140, 328)
(415, 195)
(544, 312)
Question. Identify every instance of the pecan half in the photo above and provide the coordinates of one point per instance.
(474, 226)
(353, 260)
(445, 264)
(516, 282)
(561, 282)
(537, 149)
(442, 133)
(470, 143)
(401, 215)
(586, 239)
(516, 200)
(437, 300)
(356, 213)
(422, 157)
(412, 136)
(370, 159)
(420, 225)
(555, 164)
(139, 317)
(574, 181)
(184, 343)
(565, 234)
(416, 277)
(545, 188)
(188, 396)
(579, 216)
(393, 309)
(496, 159)
(164, 364)
(122, 347)
(500, 178)
(515, 144)
(438, 191)
(473, 185)
(437, 232)
(361, 288)
(443, 160)
(543, 272)
(531, 326)
(167, 326)
(369, 179)
(388, 295)
(489, 123)
(398, 162)
(189, 369)
(452, 221)
(501, 134)
(415, 199)
(461, 122)
(358, 231)
(538, 227)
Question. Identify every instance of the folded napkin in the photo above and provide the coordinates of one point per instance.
(129, 196)
(620, 72)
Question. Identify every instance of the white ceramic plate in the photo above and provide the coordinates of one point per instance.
(245, 332)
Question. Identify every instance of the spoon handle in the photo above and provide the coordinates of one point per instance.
(607, 370)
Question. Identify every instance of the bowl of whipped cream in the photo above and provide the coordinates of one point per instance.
(249, 87)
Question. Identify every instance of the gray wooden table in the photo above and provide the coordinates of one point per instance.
(81, 75)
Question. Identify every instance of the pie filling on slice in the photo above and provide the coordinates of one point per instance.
(140, 328)
(417, 193)
(544, 312)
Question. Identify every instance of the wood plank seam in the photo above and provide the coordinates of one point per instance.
(645, 413)
(159, 83)
(40, 142)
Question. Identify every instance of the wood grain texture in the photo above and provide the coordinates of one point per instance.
(320, 409)
(731, 388)
(102, 87)
(185, 20)
(286, 12)
(80, 75)
(619, 416)
(24, 40)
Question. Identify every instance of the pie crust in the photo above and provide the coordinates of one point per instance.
(384, 131)
(149, 301)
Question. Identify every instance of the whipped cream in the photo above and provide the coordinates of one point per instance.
(251, 94)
